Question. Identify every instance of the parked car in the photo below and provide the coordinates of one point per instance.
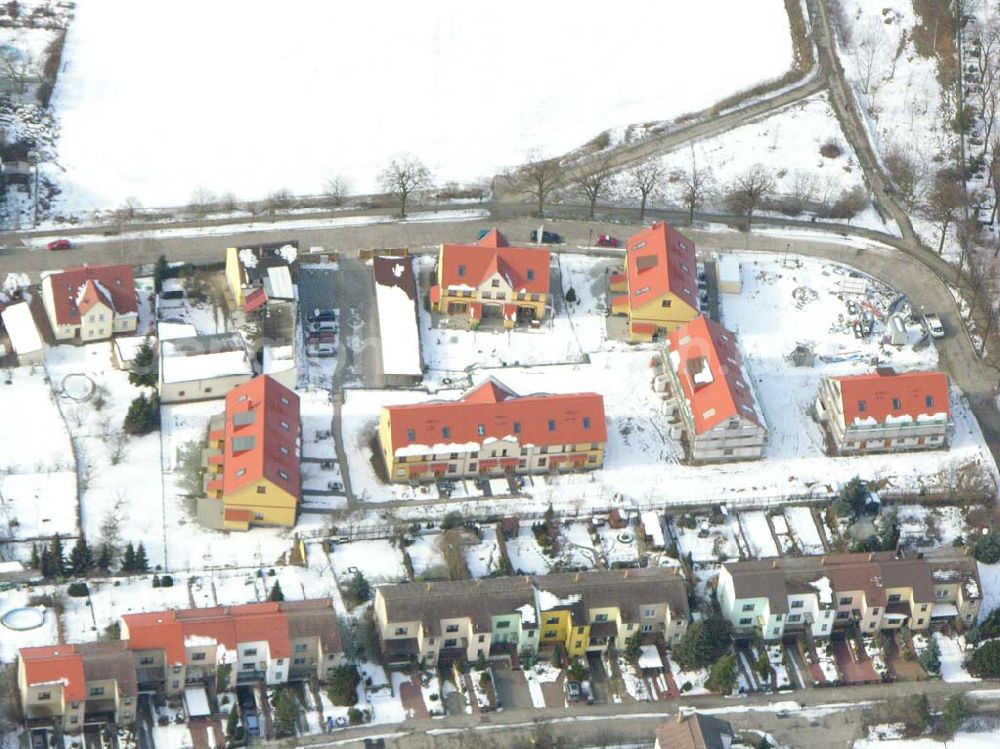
(548, 237)
(933, 324)
(321, 349)
(317, 325)
(321, 314)
(573, 691)
(60, 244)
(318, 336)
(606, 240)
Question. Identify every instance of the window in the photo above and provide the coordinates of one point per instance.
(600, 617)
(482, 638)
(578, 643)
(43, 696)
(480, 430)
(246, 667)
(666, 303)
(552, 425)
(648, 613)
(451, 628)
(798, 604)
(504, 624)
(284, 450)
(280, 662)
(242, 418)
(746, 620)
(298, 662)
(283, 474)
(250, 651)
(517, 427)
(446, 433)
(777, 617)
(941, 593)
(825, 627)
(401, 630)
(146, 660)
(74, 719)
(894, 598)
(871, 625)
(846, 601)
(450, 643)
(929, 401)
(646, 628)
(862, 406)
(843, 614)
(240, 472)
(875, 611)
(262, 489)
(531, 274)
(197, 656)
(550, 633)
(896, 404)
(241, 444)
(461, 271)
(284, 400)
(793, 618)
(284, 425)
(552, 620)
(923, 607)
(920, 621)
(495, 283)
(586, 422)
(541, 462)
(776, 631)
(748, 607)
(301, 647)
(411, 435)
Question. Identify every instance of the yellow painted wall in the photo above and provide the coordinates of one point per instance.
(276, 505)
(574, 636)
(672, 317)
(233, 275)
(559, 629)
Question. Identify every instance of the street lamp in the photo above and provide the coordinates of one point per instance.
(33, 155)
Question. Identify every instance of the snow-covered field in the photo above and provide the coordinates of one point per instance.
(969, 739)
(107, 156)
(526, 555)
(483, 558)
(379, 561)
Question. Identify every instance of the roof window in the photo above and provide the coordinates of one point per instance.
(929, 401)
(411, 435)
(242, 444)
(552, 425)
(862, 406)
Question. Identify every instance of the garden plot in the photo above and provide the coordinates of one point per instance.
(576, 547)
(427, 557)
(704, 541)
(785, 541)
(689, 682)
(316, 413)
(989, 577)
(378, 560)
(38, 496)
(757, 534)
(930, 526)
(105, 164)
(483, 558)
(619, 546)
(953, 654)
(803, 529)
(526, 556)
(13, 640)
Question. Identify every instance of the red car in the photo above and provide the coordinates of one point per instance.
(606, 240)
(60, 244)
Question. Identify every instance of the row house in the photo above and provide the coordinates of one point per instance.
(492, 431)
(704, 384)
(658, 288)
(492, 280)
(885, 411)
(578, 612)
(65, 685)
(694, 731)
(273, 642)
(90, 303)
(262, 274)
(875, 591)
(252, 472)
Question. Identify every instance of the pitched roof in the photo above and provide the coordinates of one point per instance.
(76, 290)
(524, 269)
(58, 665)
(491, 410)
(275, 623)
(710, 370)
(480, 600)
(661, 259)
(262, 431)
(695, 731)
(918, 395)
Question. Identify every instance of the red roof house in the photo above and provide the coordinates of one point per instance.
(69, 296)
(59, 666)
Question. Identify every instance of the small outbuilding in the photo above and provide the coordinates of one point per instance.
(730, 275)
(23, 333)
(202, 367)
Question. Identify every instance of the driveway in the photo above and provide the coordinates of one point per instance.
(852, 671)
(511, 687)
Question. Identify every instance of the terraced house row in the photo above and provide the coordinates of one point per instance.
(875, 591)
(171, 651)
(580, 612)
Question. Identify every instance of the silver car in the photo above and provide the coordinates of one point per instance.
(933, 324)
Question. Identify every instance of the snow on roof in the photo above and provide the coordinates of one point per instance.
(399, 337)
(288, 253)
(278, 358)
(248, 258)
(166, 331)
(527, 613)
(649, 657)
(824, 590)
(197, 641)
(196, 701)
(547, 601)
(943, 609)
(652, 527)
(21, 329)
(128, 346)
(8, 567)
(203, 357)
(729, 269)
(278, 284)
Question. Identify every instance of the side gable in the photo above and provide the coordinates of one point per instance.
(885, 396)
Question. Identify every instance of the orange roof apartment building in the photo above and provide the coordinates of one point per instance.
(252, 459)
(492, 280)
(706, 388)
(492, 431)
(658, 288)
(885, 411)
(91, 303)
(168, 651)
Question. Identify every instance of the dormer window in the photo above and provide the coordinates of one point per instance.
(862, 406)
(495, 283)
(461, 271)
(531, 275)
(480, 429)
(552, 425)
(411, 435)
(929, 401)
(896, 404)
(517, 427)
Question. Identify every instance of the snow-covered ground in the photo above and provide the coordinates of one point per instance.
(426, 557)
(619, 546)
(953, 654)
(987, 739)
(989, 576)
(757, 534)
(378, 560)
(526, 555)
(107, 157)
(704, 542)
(483, 558)
(803, 527)
(576, 547)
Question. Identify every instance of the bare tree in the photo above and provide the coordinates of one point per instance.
(869, 59)
(967, 232)
(227, 202)
(907, 173)
(696, 184)
(749, 190)
(538, 178)
(802, 190)
(201, 201)
(944, 202)
(16, 66)
(279, 200)
(403, 176)
(336, 190)
(593, 183)
(128, 210)
(645, 180)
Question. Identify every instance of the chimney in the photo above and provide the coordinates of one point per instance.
(774, 564)
(871, 556)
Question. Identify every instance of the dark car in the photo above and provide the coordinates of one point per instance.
(60, 244)
(318, 315)
(606, 240)
(548, 237)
